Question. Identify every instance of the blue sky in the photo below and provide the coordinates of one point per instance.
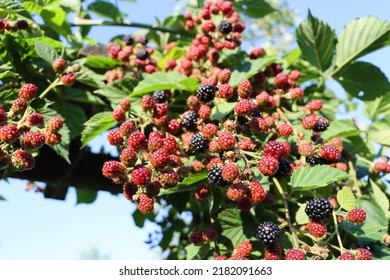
(32, 227)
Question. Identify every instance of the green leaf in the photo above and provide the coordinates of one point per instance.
(175, 53)
(80, 95)
(316, 40)
(379, 132)
(360, 37)
(140, 218)
(45, 51)
(10, 7)
(106, 10)
(300, 216)
(221, 110)
(248, 69)
(162, 81)
(96, 125)
(363, 80)
(74, 117)
(57, 45)
(253, 8)
(380, 107)
(237, 226)
(340, 128)
(55, 18)
(312, 177)
(195, 252)
(2, 197)
(85, 196)
(100, 62)
(380, 197)
(89, 77)
(188, 184)
(346, 199)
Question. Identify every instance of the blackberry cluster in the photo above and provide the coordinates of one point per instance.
(225, 27)
(268, 233)
(199, 144)
(318, 209)
(314, 160)
(322, 124)
(284, 167)
(206, 92)
(189, 119)
(142, 54)
(214, 177)
(159, 96)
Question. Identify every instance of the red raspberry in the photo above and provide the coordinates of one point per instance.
(275, 149)
(268, 165)
(126, 128)
(127, 156)
(294, 75)
(201, 193)
(256, 192)
(115, 138)
(305, 149)
(273, 252)
(55, 124)
(159, 158)
(59, 65)
(330, 153)
(22, 160)
(243, 107)
(68, 78)
(295, 254)
(147, 102)
(129, 190)
(226, 140)
(35, 119)
(145, 203)
(210, 234)
(169, 179)
(244, 248)
(18, 106)
(317, 228)
(204, 111)
(224, 76)
(9, 134)
(236, 191)
(160, 109)
(285, 129)
(313, 105)
(225, 91)
(114, 170)
(137, 140)
(246, 145)
(196, 237)
(357, 216)
(33, 140)
(119, 115)
(346, 257)
(230, 172)
(141, 175)
(172, 126)
(244, 88)
(363, 254)
(309, 121)
(207, 26)
(52, 138)
(28, 91)
(297, 93)
(244, 204)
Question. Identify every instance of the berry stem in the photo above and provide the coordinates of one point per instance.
(337, 232)
(251, 154)
(55, 83)
(355, 180)
(288, 219)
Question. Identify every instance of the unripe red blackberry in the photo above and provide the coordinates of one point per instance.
(33, 140)
(285, 129)
(59, 65)
(3, 116)
(243, 107)
(295, 255)
(22, 160)
(128, 156)
(210, 234)
(28, 91)
(206, 92)
(126, 128)
(119, 115)
(268, 233)
(199, 144)
(272, 252)
(172, 126)
(318, 209)
(209, 130)
(114, 170)
(19, 105)
(281, 81)
(296, 93)
(52, 138)
(313, 105)
(236, 191)
(147, 102)
(159, 158)
(246, 145)
(160, 110)
(115, 138)
(237, 257)
(309, 121)
(204, 111)
(207, 26)
(125, 104)
(9, 134)
(189, 119)
(225, 91)
(129, 190)
(305, 149)
(196, 237)
(214, 177)
(357, 216)
(168, 179)
(230, 172)
(137, 140)
(224, 76)
(256, 192)
(35, 119)
(294, 75)
(145, 203)
(170, 144)
(244, 248)
(226, 140)
(346, 256)
(201, 193)
(317, 228)
(330, 153)
(268, 165)
(68, 78)
(363, 254)
(244, 88)
(55, 124)
(275, 149)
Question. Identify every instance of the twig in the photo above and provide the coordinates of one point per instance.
(355, 180)
(337, 232)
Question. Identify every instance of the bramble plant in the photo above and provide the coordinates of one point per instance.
(235, 154)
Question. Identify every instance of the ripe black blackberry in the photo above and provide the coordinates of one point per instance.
(284, 167)
(225, 27)
(318, 209)
(321, 124)
(128, 40)
(189, 119)
(206, 92)
(314, 160)
(159, 96)
(268, 233)
(214, 177)
(198, 144)
(142, 54)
